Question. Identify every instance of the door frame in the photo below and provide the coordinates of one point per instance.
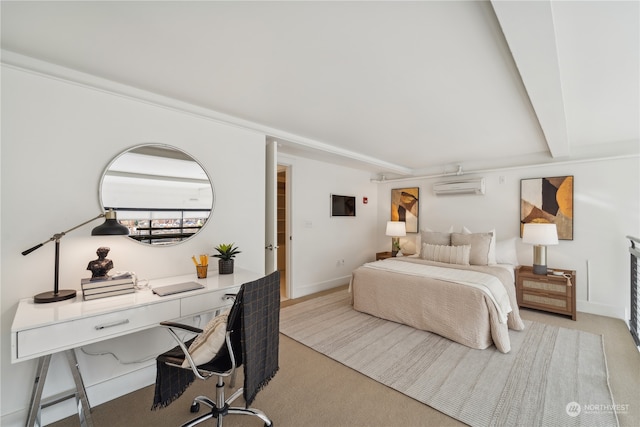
(288, 228)
(271, 208)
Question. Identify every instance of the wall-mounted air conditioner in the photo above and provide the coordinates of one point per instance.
(459, 186)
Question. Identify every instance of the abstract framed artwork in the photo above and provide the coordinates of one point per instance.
(548, 200)
(404, 207)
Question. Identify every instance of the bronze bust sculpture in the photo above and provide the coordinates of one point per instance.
(99, 267)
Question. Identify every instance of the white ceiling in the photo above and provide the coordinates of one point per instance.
(397, 88)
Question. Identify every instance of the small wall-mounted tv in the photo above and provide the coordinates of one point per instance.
(343, 205)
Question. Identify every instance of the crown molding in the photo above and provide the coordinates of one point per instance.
(49, 70)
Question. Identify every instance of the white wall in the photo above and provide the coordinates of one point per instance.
(606, 209)
(57, 138)
(320, 243)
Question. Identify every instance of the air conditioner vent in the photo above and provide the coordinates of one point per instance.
(460, 186)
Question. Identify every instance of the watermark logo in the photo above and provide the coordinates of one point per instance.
(573, 409)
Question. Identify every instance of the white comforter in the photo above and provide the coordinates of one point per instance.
(487, 283)
(458, 302)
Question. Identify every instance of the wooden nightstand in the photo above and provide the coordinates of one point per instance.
(383, 255)
(556, 294)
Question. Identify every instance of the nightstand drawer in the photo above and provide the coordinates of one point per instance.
(541, 285)
(65, 335)
(546, 301)
(383, 255)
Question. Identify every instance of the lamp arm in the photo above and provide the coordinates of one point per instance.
(58, 236)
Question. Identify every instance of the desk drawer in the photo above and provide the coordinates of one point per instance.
(206, 302)
(74, 333)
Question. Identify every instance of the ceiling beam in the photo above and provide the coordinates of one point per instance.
(530, 33)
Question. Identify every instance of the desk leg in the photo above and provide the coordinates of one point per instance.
(84, 410)
(36, 394)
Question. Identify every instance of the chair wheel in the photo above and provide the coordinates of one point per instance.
(195, 407)
(268, 425)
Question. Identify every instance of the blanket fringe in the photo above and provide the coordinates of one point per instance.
(170, 387)
(171, 399)
(260, 386)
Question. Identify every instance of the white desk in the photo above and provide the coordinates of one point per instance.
(40, 330)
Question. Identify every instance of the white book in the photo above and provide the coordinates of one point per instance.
(109, 281)
(111, 288)
(109, 294)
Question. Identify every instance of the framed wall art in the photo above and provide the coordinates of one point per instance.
(404, 207)
(548, 200)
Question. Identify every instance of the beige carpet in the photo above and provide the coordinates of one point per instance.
(314, 390)
(536, 384)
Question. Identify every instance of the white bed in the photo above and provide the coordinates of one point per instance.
(473, 304)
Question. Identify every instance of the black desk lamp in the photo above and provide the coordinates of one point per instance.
(110, 227)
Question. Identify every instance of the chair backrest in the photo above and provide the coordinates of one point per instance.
(234, 326)
(258, 323)
(260, 291)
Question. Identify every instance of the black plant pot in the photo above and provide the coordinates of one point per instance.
(225, 266)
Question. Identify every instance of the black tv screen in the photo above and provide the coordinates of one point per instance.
(343, 205)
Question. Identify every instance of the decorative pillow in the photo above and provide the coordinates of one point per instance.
(206, 345)
(492, 248)
(435, 238)
(480, 244)
(506, 252)
(407, 246)
(449, 254)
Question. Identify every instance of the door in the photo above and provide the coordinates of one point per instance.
(271, 205)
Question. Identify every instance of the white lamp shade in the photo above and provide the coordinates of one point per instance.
(540, 234)
(396, 229)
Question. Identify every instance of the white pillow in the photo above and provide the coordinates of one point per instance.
(506, 252)
(206, 345)
(492, 247)
(449, 254)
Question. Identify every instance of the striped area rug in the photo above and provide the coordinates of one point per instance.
(552, 376)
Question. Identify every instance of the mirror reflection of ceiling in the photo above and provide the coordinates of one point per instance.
(161, 193)
(158, 163)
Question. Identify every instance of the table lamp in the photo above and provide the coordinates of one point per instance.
(110, 227)
(540, 235)
(396, 229)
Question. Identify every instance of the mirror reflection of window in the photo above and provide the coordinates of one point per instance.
(161, 194)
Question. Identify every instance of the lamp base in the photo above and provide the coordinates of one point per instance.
(539, 269)
(51, 296)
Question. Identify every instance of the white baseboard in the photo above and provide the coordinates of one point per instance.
(601, 309)
(124, 384)
(320, 286)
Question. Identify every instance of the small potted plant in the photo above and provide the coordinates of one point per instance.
(395, 247)
(226, 253)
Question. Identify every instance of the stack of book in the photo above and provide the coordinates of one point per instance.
(107, 286)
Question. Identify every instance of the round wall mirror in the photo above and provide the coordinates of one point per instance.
(162, 194)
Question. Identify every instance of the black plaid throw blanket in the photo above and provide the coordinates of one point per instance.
(171, 382)
(260, 340)
(260, 333)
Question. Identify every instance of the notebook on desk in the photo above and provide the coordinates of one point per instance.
(177, 288)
